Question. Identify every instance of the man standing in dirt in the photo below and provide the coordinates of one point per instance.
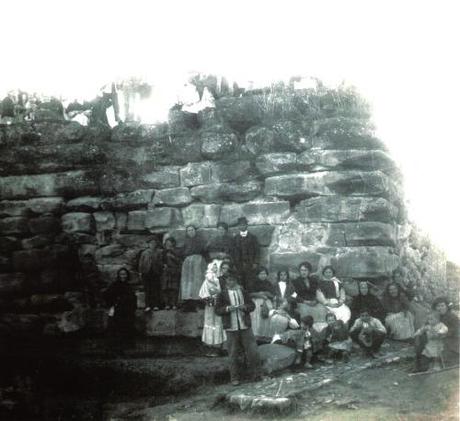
(150, 269)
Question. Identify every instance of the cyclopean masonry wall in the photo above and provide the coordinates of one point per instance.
(303, 166)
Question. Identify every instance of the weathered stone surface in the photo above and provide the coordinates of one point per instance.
(180, 120)
(292, 259)
(178, 196)
(130, 201)
(71, 183)
(31, 260)
(189, 324)
(195, 174)
(77, 222)
(276, 357)
(259, 140)
(50, 303)
(113, 181)
(121, 221)
(163, 178)
(132, 132)
(45, 204)
(109, 252)
(5, 264)
(162, 218)
(327, 160)
(9, 243)
(344, 209)
(174, 323)
(275, 163)
(13, 208)
(134, 240)
(349, 234)
(263, 233)
(290, 137)
(18, 324)
(37, 241)
(257, 213)
(373, 183)
(364, 262)
(11, 283)
(217, 142)
(105, 221)
(219, 192)
(44, 225)
(222, 172)
(14, 225)
(201, 215)
(84, 204)
(240, 113)
(136, 221)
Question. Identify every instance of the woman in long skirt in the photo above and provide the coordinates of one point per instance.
(213, 332)
(193, 267)
(399, 320)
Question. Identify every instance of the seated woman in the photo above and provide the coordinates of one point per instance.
(213, 332)
(369, 333)
(366, 302)
(332, 295)
(305, 294)
(399, 320)
(262, 293)
(451, 350)
(429, 344)
(337, 342)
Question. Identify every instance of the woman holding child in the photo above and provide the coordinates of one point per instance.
(399, 320)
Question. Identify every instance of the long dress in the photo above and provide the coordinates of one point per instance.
(399, 320)
(260, 325)
(213, 331)
(193, 269)
(331, 290)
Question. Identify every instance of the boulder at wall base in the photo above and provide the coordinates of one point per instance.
(373, 183)
(344, 209)
(16, 225)
(201, 215)
(174, 323)
(219, 192)
(274, 163)
(160, 218)
(44, 225)
(257, 213)
(275, 357)
(178, 196)
(78, 222)
(217, 143)
(71, 183)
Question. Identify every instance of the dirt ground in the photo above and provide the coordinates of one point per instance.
(385, 393)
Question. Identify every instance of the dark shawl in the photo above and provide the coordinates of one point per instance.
(369, 303)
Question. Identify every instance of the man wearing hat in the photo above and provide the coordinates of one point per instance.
(245, 253)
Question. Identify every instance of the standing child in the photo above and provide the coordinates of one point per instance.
(307, 341)
(429, 343)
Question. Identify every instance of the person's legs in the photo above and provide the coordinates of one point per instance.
(377, 340)
(233, 347)
(252, 355)
(355, 337)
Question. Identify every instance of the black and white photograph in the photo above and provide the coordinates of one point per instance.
(229, 210)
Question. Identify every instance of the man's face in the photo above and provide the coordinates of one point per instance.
(365, 317)
(441, 308)
(224, 268)
(243, 227)
(231, 282)
(221, 231)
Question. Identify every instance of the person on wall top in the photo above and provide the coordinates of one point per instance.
(245, 252)
(305, 294)
(220, 246)
(399, 320)
(331, 293)
(193, 269)
(150, 268)
(366, 302)
(234, 305)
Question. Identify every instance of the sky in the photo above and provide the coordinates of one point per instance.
(401, 55)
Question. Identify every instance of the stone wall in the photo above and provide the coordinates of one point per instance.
(303, 166)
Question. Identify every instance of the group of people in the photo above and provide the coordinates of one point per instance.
(310, 313)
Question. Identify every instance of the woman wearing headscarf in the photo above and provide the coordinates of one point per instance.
(366, 302)
(213, 332)
(399, 320)
(193, 267)
(441, 306)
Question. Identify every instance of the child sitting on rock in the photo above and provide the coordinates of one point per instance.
(337, 342)
(429, 344)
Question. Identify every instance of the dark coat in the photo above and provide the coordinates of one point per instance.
(223, 301)
(303, 292)
(245, 251)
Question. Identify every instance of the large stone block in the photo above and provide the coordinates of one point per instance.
(163, 178)
(161, 323)
(134, 240)
(240, 113)
(12, 283)
(178, 196)
(105, 221)
(330, 160)
(84, 204)
(217, 143)
(13, 208)
(195, 174)
(201, 215)
(291, 136)
(136, 221)
(260, 140)
(9, 243)
(45, 204)
(189, 324)
(109, 252)
(77, 222)
(160, 218)
(276, 357)
(345, 209)
(223, 172)
(31, 260)
(67, 184)
(37, 241)
(371, 183)
(5, 264)
(292, 259)
(365, 262)
(44, 225)
(275, 163)
(14, 225)
(130, 201)
(257, 213)
(219, 192)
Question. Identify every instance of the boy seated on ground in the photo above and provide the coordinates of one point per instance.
(337, 342)
(429, 344)
(369, 333)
